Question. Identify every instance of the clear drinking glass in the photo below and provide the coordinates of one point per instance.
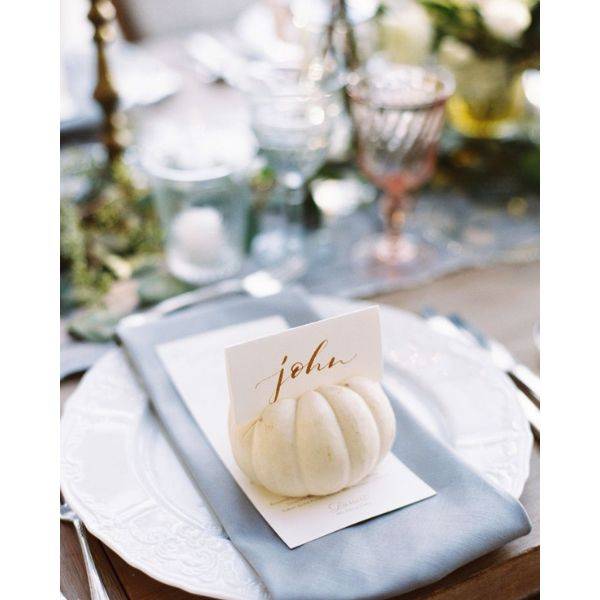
(399, 114)
(202, 197)
(292, 118)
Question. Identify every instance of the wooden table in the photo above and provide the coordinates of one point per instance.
(504, 302)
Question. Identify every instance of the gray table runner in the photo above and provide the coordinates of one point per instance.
(379, 558)
(463, 233)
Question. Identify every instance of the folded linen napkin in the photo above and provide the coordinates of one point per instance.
(379, 558)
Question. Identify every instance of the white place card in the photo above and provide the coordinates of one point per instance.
(287, 364)
(196, 365)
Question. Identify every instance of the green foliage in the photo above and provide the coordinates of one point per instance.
(464, 22)
(81, 283)
(488, 170)
(105, 231)
(158, 286)
(94, 325)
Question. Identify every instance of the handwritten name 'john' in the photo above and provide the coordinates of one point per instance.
(298, 368)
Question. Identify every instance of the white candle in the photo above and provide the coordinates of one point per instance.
(197, 233)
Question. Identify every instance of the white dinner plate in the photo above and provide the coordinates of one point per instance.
(120, 475)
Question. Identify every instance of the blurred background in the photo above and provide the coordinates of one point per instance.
(383, 143)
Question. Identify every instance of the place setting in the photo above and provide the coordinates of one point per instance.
(288, 367)
(124, 477)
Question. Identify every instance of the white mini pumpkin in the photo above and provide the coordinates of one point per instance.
(318, 444)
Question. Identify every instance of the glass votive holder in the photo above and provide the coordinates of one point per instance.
(203, 205)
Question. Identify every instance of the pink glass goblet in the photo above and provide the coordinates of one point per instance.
(399, 114)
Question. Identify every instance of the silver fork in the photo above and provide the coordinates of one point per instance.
(97, 589)
(261, 283)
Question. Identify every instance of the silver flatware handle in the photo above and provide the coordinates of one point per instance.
(171, 305)
(527, 381)
(210, 292)
(97, 589)
(532, 413)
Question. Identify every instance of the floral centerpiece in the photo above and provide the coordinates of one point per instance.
(487, 44)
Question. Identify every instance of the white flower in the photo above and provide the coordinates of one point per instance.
(406, 32)
(505, 19)
(454, 53)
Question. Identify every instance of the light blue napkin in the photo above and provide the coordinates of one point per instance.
(379, 558)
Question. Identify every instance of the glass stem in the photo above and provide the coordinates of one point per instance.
(394, 210)
(294, 211)
(393, 247)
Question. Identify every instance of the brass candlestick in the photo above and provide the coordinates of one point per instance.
(115, 135)
(350, 49)
(339, 16)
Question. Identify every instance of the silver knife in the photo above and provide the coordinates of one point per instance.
(444, 325)
(522, 376)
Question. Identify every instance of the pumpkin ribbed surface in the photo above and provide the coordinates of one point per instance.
(318, 444)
